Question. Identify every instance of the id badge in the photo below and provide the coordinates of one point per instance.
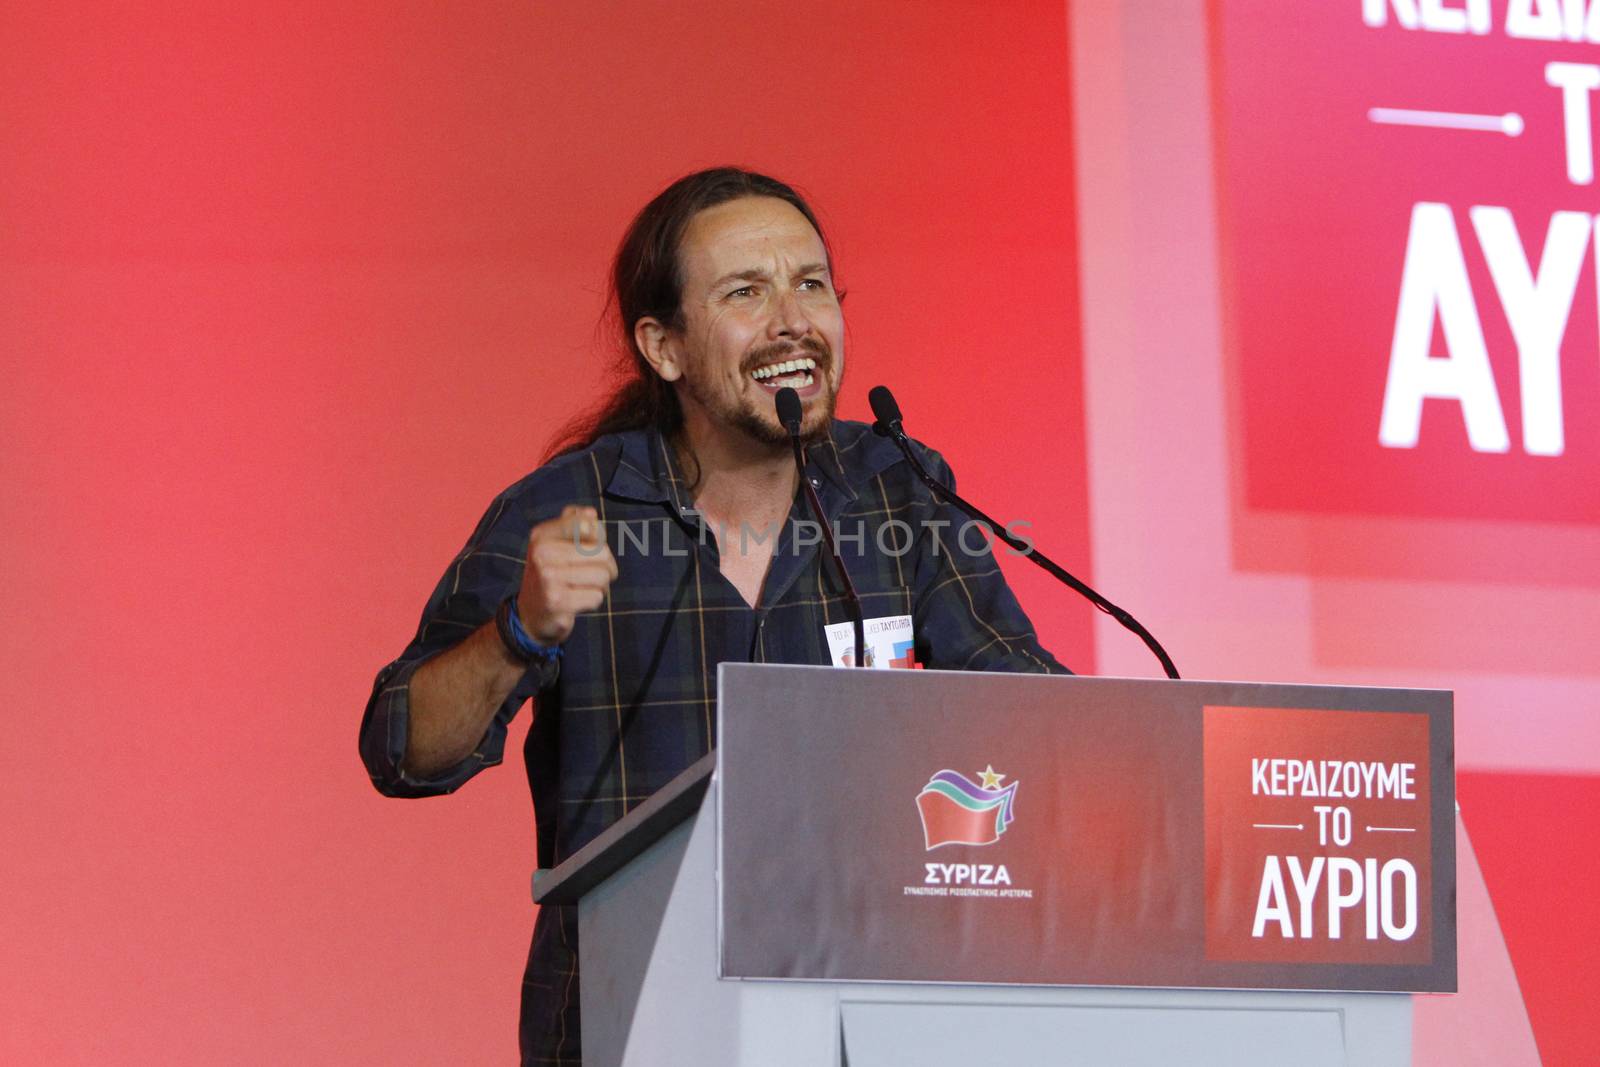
(888, 640)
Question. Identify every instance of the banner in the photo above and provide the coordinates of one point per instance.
(1406, 208)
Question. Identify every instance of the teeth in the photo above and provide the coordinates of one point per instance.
(786, 367)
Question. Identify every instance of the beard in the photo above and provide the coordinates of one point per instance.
(761, 425)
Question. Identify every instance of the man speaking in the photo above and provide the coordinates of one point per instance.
(669, 535)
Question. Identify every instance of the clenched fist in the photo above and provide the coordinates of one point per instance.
(569, 569)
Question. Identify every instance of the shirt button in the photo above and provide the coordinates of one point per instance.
(816, 483)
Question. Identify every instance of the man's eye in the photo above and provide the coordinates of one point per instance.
(744, 290)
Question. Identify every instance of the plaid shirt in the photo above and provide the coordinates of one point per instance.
(633, 700)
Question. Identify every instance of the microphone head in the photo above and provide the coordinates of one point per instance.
(885, 410)
(789, 409)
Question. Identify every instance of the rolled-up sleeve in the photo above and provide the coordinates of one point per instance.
(485, 572)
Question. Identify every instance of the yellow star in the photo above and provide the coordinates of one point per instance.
(991, 780)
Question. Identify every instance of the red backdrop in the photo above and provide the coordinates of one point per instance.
(290, 293)
(287, 295)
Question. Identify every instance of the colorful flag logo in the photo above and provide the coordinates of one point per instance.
(956, 810)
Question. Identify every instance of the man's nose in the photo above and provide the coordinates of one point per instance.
(788, 317)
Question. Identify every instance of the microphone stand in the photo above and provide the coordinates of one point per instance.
(896, 433)
(789, 414)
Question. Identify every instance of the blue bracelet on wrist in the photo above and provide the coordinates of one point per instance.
(508, 622)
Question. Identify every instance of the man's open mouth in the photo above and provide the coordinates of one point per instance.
(797, 373)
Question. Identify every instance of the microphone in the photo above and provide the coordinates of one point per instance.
(887, 413)
(889, 424)
(790, 414)
(789, 410)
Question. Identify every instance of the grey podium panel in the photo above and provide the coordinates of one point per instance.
(651, 998)
(933, 1035)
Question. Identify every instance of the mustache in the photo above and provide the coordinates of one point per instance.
(815, 347)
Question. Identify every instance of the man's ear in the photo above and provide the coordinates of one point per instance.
(660, 347)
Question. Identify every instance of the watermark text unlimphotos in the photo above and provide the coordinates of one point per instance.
(893, 537)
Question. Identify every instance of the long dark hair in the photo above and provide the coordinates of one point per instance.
(646, 283)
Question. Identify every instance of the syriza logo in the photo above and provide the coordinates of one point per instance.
(956, 810)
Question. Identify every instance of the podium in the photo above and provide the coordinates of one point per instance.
(924, 867)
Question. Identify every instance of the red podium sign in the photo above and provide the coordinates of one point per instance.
(1317, 835)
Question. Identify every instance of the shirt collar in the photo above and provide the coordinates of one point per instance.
(646, 470)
